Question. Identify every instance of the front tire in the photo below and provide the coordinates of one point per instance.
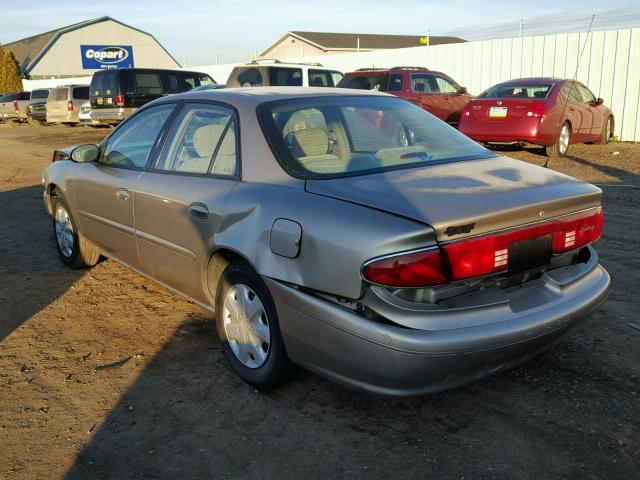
(74, 249)
(248, 328)
(561, 147)
(607, 132)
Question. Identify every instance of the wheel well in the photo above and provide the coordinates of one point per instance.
(52, 190)
(220, 259)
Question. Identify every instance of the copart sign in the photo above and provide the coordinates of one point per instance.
(106, 56)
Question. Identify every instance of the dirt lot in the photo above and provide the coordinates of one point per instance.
(104, 374)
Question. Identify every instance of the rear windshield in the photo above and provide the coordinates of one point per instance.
(81, 93)
(523, 90)
(362, 82)
(36, 94)
(9, 97)
(337, 136)
(59, 94)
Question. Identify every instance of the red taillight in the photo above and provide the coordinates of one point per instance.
(70, 106)
(466, 111)
(537, 110)
(120, 100)
(15, 106)
(407, 270)
(480, 256)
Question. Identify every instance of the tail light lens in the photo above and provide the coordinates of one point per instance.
(407, 270)
(466, 111)
(120, 100)
(479, 256)
(537, 110)
(15, 106)
(70, 106)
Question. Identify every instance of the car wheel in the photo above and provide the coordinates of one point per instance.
(561, 147)
(74, 249)
(248, 328)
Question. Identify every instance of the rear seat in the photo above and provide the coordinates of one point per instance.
(205, 140)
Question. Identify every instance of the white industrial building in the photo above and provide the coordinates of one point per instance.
(83, 48)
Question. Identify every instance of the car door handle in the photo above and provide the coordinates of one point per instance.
(122, 194)
(198, 211)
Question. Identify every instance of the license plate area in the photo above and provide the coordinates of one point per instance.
(499, 112)
(530, 253)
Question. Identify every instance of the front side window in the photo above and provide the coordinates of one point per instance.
(444, 85)
(587, 96)
(395, 83)
(285, 77)
(423, 83)
(336, 136)
(203, 140)
(131, 144)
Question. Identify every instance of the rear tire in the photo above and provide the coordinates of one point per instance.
(248, 328)
(74, 249)
(561, 147)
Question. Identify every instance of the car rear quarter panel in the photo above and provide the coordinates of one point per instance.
(337, 237)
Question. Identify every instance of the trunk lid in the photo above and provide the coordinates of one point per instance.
(502, 110)
(467, 198)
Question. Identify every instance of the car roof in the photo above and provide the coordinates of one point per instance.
(533, 80)
(253, 96)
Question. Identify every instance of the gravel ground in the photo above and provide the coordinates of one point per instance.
(104, 374)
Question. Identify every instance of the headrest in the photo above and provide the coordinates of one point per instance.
(310, 142)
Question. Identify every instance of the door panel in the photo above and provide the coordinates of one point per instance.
(104, 203)
(173, 238)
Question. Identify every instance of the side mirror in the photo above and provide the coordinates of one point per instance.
(85, 153)
(599, 101)
(462, 90)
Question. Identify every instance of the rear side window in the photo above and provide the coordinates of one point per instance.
(81, 93)
(251, 77)
(395, 83)
(131, 144)
(361, 82)
(23, 96)
(148, 83)
(285, 77)
(202, 141)
(587, 96)
(39, 94)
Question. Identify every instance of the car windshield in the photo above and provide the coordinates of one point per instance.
(518, 90)
(351, 135)
(39, 94)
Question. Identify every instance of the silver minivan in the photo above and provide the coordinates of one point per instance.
(63, 104)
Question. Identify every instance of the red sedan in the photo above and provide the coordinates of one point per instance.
(551, 112)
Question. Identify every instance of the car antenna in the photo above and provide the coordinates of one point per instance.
(575, 76)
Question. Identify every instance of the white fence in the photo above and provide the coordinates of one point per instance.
(610, 65)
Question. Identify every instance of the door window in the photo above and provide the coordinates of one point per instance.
(131, 144)
(587, 96)
(423, 83)
(285, 77)
(148, 83)
(445, 86)
(571, 93)
(251, 77)
(202, 141)
(395, 83)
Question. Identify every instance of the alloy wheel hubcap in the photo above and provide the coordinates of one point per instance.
(563, 141)
(64, 231)
(246, 326)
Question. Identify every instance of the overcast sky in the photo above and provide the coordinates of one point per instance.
(196, 32)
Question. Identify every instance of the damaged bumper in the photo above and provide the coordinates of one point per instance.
(432, 349)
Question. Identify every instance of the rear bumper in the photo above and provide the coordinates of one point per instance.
(40, 116)
(110, 115)
(530, 130)
(392, 360)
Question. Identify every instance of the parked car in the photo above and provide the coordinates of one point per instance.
(434, 91)
(37, 109)
(274, 73)
(211, 86)
(13, 106)
(63, 103)
(351, 233)
(550, 112)
(85, 115)
(117, 93)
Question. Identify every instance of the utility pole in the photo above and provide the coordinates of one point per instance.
(358, 45)
(521, 27)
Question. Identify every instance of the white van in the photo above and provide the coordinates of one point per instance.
(274, 73)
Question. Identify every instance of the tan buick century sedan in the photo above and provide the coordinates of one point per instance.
(348, 232)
